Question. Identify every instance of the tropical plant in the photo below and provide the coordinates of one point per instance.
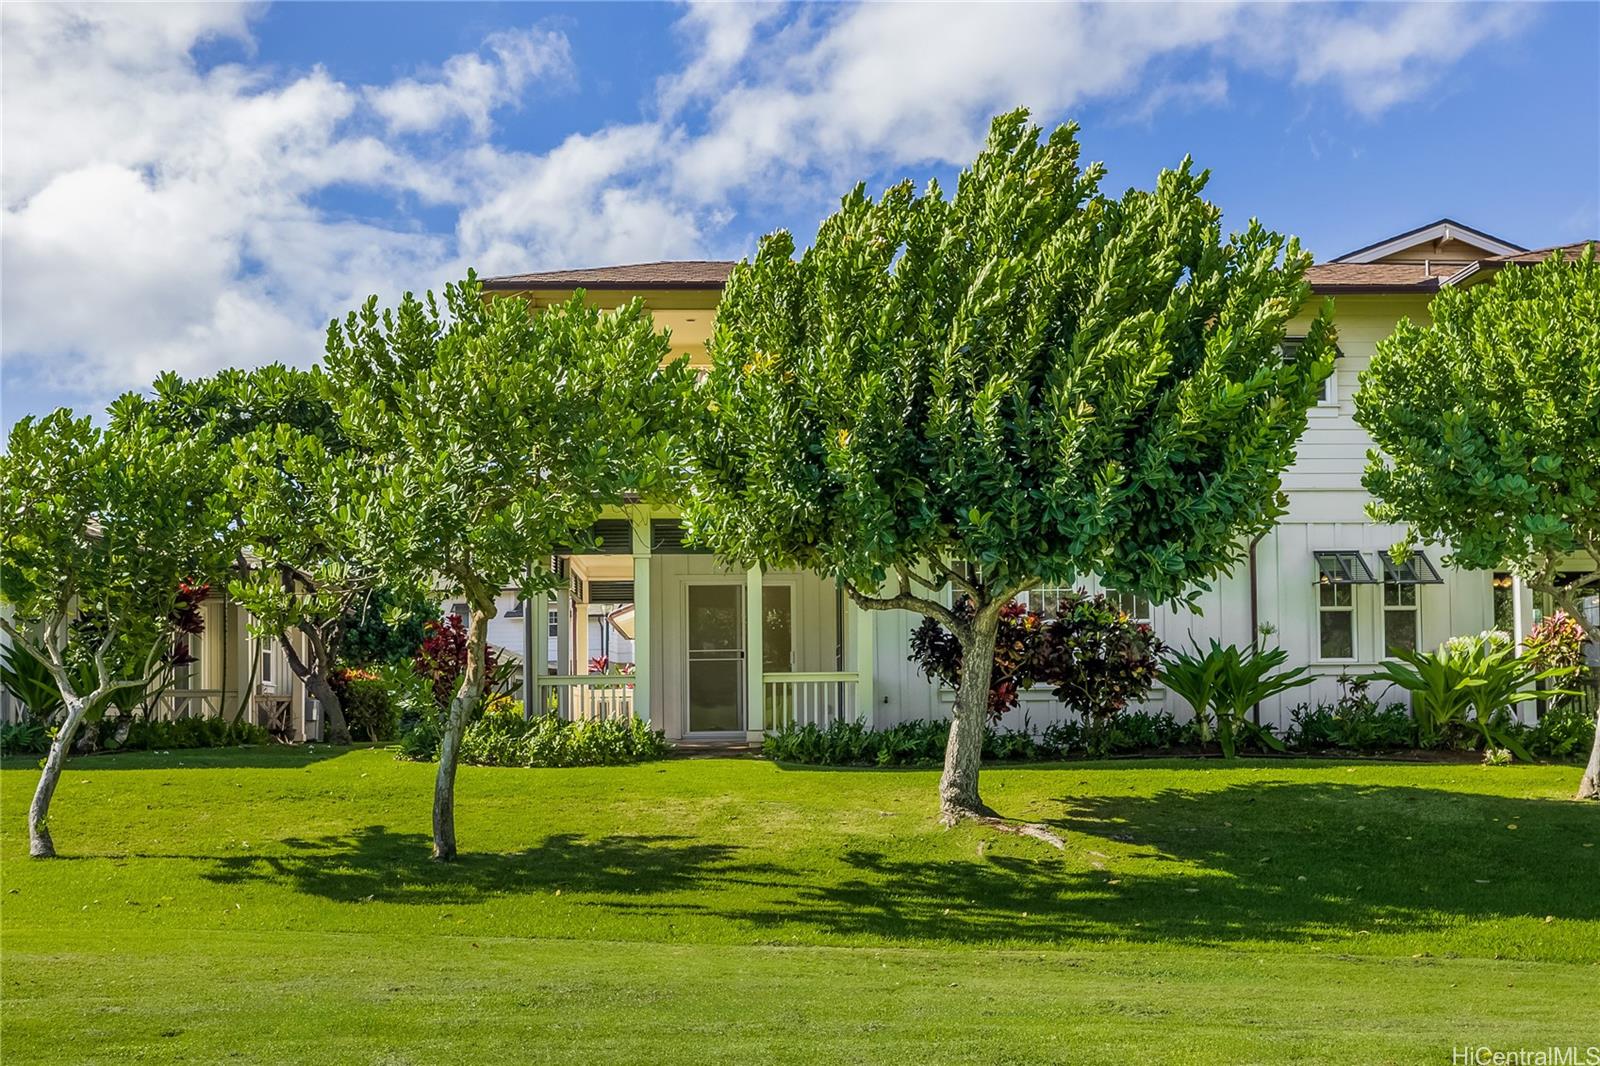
(98, 531)
(1223, 684)
(487, 435)
(1024, 384)
(1471, 682)
(1485, 424)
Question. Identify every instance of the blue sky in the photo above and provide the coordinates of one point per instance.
(195, 187)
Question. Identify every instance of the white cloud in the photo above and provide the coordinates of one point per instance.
(471, 86)
(159, 215)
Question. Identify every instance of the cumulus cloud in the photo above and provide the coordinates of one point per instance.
(162, 214)
(473, 86)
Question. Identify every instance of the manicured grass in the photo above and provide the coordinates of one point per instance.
(279, 905)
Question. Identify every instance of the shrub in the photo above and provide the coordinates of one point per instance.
(138, 733)
(368, 709)
(442, 657)
(25, 737)
(1223, 684)
(1093, 655)
(502, 737)
(1354, 723)
(1564, 731)
(921, 743)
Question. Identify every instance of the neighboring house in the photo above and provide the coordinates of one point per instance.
(723, 653)
(233, 674)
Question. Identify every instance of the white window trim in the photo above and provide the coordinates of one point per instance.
(1353, 611)
(1384, 610)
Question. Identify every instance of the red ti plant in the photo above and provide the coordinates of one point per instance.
(442, 657)
(1095, 658)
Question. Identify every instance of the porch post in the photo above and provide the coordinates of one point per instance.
(642, 679)
(533, 648)
(754, 661)
(1521, 611)
(862, 620)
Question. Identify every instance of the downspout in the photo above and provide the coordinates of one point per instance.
(1255, 616)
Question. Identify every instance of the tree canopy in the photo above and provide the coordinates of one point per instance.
(1027, 382)
(1487, 422)
(103, 535)
(490, 436)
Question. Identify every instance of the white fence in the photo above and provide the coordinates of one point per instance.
(801, 699)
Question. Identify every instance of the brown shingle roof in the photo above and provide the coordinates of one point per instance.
(682, 274)
(1539, 255)
(1377, 277)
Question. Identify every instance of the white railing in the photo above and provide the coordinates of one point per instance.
(817, 699)
(585, 697)
(189, 703)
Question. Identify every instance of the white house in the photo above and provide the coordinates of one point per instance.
(726, 654)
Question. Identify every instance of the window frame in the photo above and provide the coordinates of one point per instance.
(1349, 610)
(1414, 608)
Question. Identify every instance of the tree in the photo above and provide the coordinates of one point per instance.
(103, 536)
(287, 482)
(1488, 425)
(1024, 384)
(491, 437)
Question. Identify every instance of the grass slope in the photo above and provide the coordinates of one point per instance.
(279, 905)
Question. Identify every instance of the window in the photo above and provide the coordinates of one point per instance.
(1505, 603)
(1330, 386)
(555, 623)
(1400, 621)
(1138, 607)
(1336, 620)
(459, 610)
(266, 672)
(1046, 600)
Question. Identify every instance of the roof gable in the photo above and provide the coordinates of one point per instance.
(1446, 240)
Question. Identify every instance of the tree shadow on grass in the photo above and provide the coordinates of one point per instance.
(375, 864)
(1249, 863)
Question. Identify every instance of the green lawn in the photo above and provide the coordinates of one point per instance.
(279, 905)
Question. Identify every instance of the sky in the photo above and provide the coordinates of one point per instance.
(192, 187)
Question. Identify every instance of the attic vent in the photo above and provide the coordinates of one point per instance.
(609, 536)
(577, 589)
(667, 538)
(611, 592)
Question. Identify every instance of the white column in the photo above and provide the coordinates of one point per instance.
(1521, 609)
(642, 652)
(754, 630)
(865, 630)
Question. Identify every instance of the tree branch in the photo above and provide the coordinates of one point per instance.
(905, 601)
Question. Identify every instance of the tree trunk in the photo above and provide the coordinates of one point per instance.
(963, 754)
(40, 843)
(335, 729)
(461, 707)
(313, 674)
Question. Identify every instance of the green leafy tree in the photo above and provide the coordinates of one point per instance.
(1027, 383)
(99, 531)
(1488, 425)
(287, 482)
(491, 437)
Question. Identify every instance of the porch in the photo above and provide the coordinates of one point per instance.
(644, 625)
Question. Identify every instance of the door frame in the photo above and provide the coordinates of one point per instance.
(689, 581)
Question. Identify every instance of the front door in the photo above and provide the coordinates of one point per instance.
(716, 658)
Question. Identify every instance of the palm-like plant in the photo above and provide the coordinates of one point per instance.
(1222, 684)
(1482, 675)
